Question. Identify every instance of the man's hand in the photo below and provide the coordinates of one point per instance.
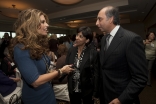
(115, 101)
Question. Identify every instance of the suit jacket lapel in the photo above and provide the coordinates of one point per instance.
(103, 42)
(114, 44)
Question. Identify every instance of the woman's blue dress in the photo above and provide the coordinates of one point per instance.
(30, 70)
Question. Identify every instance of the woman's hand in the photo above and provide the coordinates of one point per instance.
(67, 69)
(15, 79)
(115, 101)
(147, 41)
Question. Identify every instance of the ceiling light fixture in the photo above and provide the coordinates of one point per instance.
(67, 2)
(10, 12)
(72, 24)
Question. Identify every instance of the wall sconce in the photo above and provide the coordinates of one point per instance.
(67, 2)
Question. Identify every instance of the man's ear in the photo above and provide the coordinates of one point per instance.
(111, 19)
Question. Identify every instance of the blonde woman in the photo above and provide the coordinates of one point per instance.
(30, 51)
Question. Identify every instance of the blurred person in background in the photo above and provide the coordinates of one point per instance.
(60, 87)
(4, 43)
(8, 65)
(150, 50)
(53, 45)
(7, 84)
(67, 42)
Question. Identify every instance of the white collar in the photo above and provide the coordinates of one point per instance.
(114, 31)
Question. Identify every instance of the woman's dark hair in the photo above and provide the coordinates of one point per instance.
(149, 34)
(86, 32)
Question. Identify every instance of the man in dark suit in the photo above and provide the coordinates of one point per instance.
(122, 59)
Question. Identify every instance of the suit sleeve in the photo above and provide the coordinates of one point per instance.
(97, 75)
(138, 68)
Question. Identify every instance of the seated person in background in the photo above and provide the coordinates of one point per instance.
(52, 60)
(53, 44)
(7, 84)
(7, 64)
(67, 42)
(4, 43)
(60, 88)
(62, 51)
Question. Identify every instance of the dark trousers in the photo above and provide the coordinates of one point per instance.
(137, 101)
(101, 95)
(76, 98)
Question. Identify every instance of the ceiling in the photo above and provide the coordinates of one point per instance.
(83, 13)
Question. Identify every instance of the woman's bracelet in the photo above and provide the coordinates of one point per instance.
(59, 72)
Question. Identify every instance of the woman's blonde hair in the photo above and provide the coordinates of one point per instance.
(26, 28)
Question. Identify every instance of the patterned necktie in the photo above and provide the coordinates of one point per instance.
(107, 42)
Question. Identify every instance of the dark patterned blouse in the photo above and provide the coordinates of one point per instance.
(76, 76)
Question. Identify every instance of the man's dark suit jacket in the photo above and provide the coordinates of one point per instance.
(123, 67)
(87, 86)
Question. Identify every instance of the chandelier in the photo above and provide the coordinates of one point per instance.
(67, 2)
(10, 12)
(73, 24)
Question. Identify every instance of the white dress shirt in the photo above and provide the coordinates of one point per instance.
(113, 32)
